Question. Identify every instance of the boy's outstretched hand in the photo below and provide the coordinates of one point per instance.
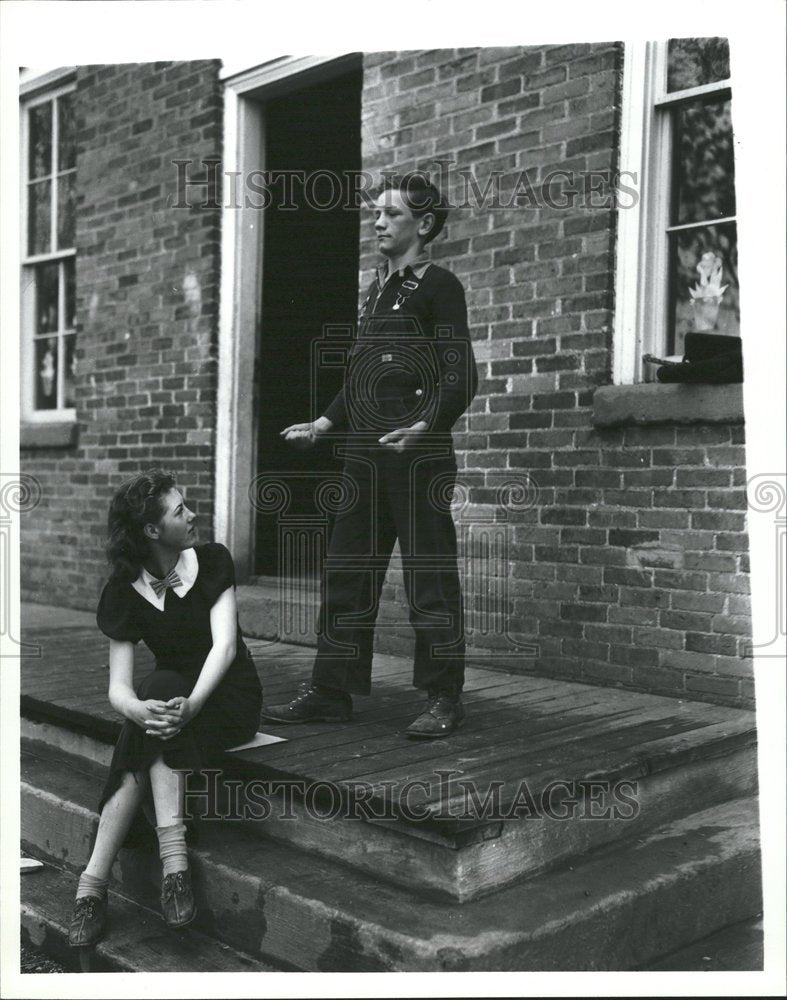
(305, 435)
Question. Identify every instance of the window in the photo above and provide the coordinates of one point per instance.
(677, 263)
(48, 174)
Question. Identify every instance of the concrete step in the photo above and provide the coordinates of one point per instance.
(137, 938)
(696, 766)
(621, 907)
(280, 608)
(738, 948)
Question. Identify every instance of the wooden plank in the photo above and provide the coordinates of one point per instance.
(484, 714)
(522, 752)
(412, 755)
(390, 744)
(501, 756)
(383, 723)
(569, 759)
(631, 759)
(64, 687)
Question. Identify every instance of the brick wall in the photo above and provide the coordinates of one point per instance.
(147, 306)
(625, 556)
(626, 559)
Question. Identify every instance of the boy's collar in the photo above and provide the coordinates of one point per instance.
(418, 267)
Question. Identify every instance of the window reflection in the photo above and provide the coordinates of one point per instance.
(704, 171)
(66, 150)
(40, 141)
(39, 217)
(693, 62)
(65, 211)
(47, 298)
(69, 370)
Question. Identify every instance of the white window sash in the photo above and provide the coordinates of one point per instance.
(641, 253)
(27, 291)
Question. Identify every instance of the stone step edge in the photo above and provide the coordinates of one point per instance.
(46, 897)
(309, 907)
(462, 872)
(736, 948)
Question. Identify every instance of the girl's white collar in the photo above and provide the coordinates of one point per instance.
(186, 567)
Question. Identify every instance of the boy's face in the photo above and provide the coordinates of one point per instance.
(398, 230)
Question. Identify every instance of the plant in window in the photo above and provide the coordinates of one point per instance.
(706, 295)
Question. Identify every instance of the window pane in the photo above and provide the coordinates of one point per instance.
(46, 297)
(704, 283)
(46, 374)
(39, 217)
(65, 211)
(691, 62)
(70, 319)
(66, 148)
(40, 152)
(69, 373)
(704, 165)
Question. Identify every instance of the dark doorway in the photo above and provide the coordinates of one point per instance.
(310, 280)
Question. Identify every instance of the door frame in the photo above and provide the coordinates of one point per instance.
(240, 311)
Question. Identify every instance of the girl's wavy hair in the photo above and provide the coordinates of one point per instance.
(138, 502)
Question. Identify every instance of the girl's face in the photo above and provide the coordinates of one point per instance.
(175, 529)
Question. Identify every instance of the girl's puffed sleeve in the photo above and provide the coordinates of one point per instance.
(115, 615)
(216, 571)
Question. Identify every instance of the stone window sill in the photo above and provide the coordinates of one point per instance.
(657, 403)
(60, 434)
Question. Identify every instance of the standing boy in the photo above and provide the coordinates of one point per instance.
(411, 375)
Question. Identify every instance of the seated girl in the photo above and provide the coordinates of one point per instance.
(202, 697)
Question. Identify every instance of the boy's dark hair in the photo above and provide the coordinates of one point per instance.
(420, 196)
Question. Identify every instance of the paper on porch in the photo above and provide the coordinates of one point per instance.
(259, 740)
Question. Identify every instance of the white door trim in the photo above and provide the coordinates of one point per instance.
(240, 306)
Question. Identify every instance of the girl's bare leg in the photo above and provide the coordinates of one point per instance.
(116, 817)
(167, 798)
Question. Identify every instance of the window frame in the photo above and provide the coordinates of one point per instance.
(642, 253)
(34, 93)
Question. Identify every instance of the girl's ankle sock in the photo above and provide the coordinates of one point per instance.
(89, 885)
(172, 848)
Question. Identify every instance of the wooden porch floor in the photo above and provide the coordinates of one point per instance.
(519, 727)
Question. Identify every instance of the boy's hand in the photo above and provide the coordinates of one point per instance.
(403, 437)
(305, 435)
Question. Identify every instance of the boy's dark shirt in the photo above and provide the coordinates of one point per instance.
(412, 359)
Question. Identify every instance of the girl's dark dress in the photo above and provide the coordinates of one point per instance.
(180, 639)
